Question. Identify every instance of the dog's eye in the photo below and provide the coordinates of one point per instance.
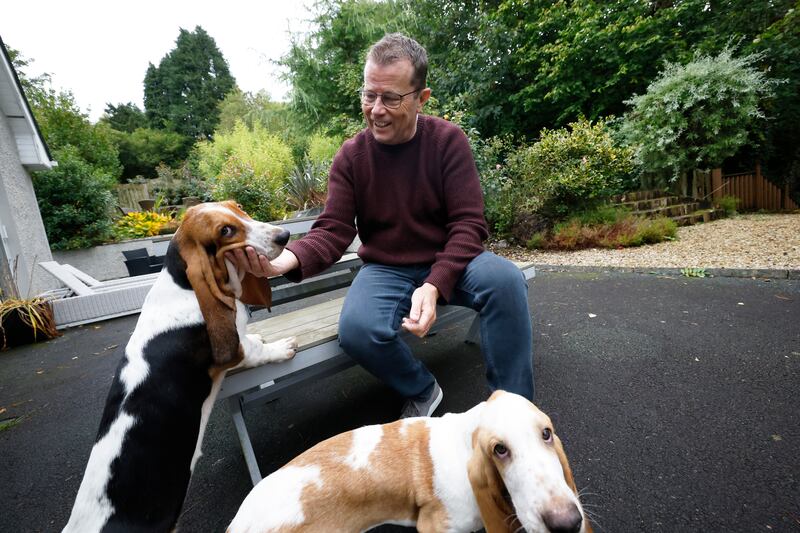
(500, 451)
(547, 434)
(227, 231)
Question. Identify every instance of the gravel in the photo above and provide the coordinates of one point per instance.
(752, 241)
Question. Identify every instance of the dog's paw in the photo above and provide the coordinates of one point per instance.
(283, 349)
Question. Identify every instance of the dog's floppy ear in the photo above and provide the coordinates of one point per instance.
(562, 458)
(256, 291)
(218, 307)
(489, 490)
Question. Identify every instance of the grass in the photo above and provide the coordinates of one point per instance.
(9, 423)
(605, 227)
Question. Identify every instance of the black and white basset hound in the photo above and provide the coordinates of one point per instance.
(191, 331)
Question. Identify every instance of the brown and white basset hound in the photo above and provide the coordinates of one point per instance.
(499, 465)
(191, 331)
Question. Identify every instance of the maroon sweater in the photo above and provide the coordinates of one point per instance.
(416, 202)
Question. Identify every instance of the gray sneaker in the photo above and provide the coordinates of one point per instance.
(423, 407)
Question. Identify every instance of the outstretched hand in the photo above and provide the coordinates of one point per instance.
(258, 265)
(423, 310)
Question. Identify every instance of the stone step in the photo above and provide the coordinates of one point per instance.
(670, 211)
(653, 203)
(702, 215)
(634, 196)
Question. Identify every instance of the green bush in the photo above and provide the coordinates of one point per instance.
(570, 169)
(306, 187)
(253, 191)
(322, 148)
(249, 167)
(728, 204)
(142, 150)
(75, 201)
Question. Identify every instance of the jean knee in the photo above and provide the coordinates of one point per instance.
(359, 336)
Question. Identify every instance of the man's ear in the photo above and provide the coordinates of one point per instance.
(489, 490)
(218, 308)
(256, 291)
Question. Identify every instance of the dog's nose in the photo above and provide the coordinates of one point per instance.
(282, 238)
(563, 518)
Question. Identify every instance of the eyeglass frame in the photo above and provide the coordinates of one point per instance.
(377, 95)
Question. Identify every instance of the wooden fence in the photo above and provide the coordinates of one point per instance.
(752, 190)
(129, 194)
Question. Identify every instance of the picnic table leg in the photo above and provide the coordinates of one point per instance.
(473, 335)
(237, 412)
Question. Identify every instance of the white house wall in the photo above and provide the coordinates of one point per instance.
(23, 233)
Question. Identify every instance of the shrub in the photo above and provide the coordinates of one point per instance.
(322, 149)
(570, 169)
(75, 201)
(604, 228)
(696, 115)
(307, 184)
(238, 181)
(249, 167)
(140, 224)
(728, 204)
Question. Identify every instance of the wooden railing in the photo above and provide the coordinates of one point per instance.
(752, 190)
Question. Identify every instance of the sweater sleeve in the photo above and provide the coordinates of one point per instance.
(334, 229)
(463, 203)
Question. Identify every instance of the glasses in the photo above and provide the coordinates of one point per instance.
(390, 100)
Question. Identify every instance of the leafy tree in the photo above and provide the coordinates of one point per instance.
(142, 150)
(182, 94)
(124, 117)
(695, 116)
(325, 67)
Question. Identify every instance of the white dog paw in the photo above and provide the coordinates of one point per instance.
(283, 349)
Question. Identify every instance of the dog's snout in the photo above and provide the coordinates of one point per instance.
(282, 238)
(564, 518)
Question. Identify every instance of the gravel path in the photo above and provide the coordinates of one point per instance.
(753, 241)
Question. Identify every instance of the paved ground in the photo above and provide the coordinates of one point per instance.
(677, 400)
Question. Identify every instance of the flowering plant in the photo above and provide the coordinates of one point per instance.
(140, 224)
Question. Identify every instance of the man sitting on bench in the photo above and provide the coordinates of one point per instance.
(410, 182)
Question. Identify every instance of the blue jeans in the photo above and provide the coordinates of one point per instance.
(380, 297)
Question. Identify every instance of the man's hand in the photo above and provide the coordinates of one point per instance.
(258, 265)
(423, 310)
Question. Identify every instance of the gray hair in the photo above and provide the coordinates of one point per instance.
(395, 47)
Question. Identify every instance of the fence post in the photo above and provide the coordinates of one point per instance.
(716, 183)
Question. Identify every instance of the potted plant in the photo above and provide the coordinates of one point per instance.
(23, 321)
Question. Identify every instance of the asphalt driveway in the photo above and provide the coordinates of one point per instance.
(678, 401)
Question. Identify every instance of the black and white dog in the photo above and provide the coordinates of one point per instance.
(191, 331)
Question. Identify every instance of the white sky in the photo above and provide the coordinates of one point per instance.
(100, 50)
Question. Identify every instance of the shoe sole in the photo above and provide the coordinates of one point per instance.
(436, 402)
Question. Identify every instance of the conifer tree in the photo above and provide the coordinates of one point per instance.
(182, 93)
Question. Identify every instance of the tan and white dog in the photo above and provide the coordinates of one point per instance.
(499, 465)
(191, 331)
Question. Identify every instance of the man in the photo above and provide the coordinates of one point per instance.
(408, 185)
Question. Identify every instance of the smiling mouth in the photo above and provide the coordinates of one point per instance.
(379, 124)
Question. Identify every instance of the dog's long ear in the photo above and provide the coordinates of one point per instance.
(562, 458)
(218, 307)
(256, 291)
(489, 490)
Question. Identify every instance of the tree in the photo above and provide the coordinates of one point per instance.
(325, 67)
(142, 150)
(124, 117)
(182, 94)
(694, 116)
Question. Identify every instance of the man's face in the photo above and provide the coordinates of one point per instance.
(392, 126)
